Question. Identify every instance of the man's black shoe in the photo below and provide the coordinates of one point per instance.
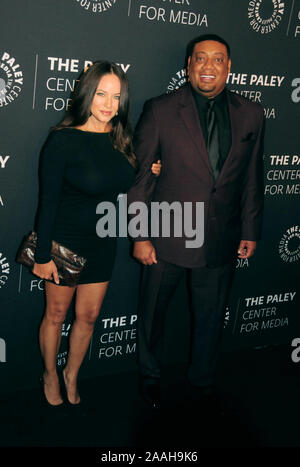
(151, 394)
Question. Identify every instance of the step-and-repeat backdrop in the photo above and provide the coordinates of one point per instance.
(43, 48)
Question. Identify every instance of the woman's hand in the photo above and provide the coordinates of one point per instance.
(156, 167)
(46, 271)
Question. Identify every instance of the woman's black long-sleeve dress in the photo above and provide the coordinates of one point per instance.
(78, 170)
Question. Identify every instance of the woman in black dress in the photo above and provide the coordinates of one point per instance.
(87, 159)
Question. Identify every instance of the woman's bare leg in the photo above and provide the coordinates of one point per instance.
(89, 298)
(58, 299)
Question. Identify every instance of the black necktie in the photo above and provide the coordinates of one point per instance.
(212, 138)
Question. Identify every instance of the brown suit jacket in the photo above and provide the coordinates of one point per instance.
(169, 129)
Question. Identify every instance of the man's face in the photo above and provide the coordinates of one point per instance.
(208, 68)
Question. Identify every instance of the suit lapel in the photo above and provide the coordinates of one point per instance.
(189, 114)
(233, 109)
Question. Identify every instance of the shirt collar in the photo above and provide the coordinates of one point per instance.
(201, 101)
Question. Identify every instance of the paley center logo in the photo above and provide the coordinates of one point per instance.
(226, 317)
(289, 245)
(4, 270)
(169, 11)
(265, 15)
(11, 79)
(178, 80)
(96, 6)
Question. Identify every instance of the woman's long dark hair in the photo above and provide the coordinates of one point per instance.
(82, 97)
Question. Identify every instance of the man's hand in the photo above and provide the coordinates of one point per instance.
(145, 252)
(246, 249)
(46, 271)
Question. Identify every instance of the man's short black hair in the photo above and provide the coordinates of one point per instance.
(205, 37)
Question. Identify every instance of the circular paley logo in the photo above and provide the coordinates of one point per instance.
(4, 270)
(265, 15)
(178, 80)
(11, 79)
(226, 317)
(289, 245)
(96, 6)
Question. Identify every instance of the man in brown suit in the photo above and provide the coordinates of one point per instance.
(210, 142)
